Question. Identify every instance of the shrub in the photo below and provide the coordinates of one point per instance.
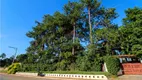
(83, 64)
(97, 65)
(61, 66)
(72, 67)
(113, 64)
(12, 69)
(37, 67)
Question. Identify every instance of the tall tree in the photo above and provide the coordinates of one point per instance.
(74, 11)
(98, 17)
(92, 6)
(56, 39)
(131, 32)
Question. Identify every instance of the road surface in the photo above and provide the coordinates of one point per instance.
(130, 77)
(13, 77)
(18, 77)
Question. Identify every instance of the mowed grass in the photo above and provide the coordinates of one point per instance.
(78, 72)
(75, 72)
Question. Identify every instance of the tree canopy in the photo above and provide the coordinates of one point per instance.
(59, 39)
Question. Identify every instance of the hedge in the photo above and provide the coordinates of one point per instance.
(113, 64)
(36, 67)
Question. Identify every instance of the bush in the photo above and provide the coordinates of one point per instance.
(97, 65)
(12, 69)
(113, 64)
(72, 67)
(37, 67)
(83, 64)
(62, 66)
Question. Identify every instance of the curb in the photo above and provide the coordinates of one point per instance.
(73, 76)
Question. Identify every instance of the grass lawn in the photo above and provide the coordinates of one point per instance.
(75, 72)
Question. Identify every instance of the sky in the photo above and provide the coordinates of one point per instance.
(17, 17)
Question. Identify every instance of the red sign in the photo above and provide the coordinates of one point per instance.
(132, 68)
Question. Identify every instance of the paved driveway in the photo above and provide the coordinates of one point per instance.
(130, 77)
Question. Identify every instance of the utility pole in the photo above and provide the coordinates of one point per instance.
(15, 52)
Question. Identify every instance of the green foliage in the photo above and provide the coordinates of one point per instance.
(96, 65)
(5, 62)
(21, 57)
(66, 55)
(77, 72)
(137, 50)
(13, 68)
(3, 55)
(36, 67)
(74, 11)
(58, 41)
(72, 67)
(131, 31)
(91, 50)
(113, 64)
(97, 15)
(133, 17)
(62, 65)
(130, 38)
(83, 63)
(126, 39)
(110, 40)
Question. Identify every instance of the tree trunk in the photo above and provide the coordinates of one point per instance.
(90, 26)
(73, 51)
